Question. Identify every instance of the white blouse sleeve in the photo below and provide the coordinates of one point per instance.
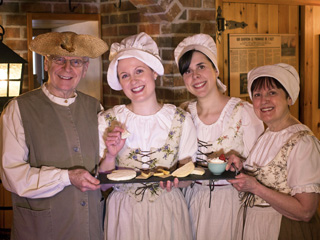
(188, 142)
(252, 127)
(16, 173)
(304, 166)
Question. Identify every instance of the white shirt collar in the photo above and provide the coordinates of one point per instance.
(61, 101)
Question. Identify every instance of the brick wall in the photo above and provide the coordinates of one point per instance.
(167, 21)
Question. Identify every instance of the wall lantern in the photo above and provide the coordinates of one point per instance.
(11, 73)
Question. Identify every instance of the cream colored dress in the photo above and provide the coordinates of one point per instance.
(235, 131)
(287, 161)
(145, 211)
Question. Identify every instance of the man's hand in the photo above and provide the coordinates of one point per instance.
(83, 180)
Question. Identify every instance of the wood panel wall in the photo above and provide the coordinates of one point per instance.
(261, 19)
(315, 124)
(310, 32)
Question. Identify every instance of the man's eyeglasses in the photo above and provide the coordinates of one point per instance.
(76, 62)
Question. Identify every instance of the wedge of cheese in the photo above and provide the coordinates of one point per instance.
(198, 171)
(184, 171)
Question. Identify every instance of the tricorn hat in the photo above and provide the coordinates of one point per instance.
(68, 44)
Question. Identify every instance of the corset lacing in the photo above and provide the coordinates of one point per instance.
(200, 153)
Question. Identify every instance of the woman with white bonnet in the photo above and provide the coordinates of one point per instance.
(160, 135)
(225, 125)
(281, 187)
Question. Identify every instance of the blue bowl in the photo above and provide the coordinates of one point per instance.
(217, 168)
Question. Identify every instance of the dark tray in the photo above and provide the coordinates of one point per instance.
(207, 176)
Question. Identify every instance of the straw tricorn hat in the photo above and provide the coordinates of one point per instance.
(68, 44)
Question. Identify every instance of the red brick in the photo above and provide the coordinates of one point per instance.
(36, 7)
(23, 32)
(167, 81)
(160, 93)
(126, 6)
(173, 12)
(143, 2)
(16, 45)
(110, 101)
(208, 4)
(64, 8)
(128, 30)
(186, 28)
(12, 32)
(90, 8)
(181, 94)
(209, 28)
(168, 94)
(155, 9)
(135, 17)
(124, 100)
(166, 28)
(167, 55)
(105, 20)
(109, 30)
(168, 68)
(201, 15)
(118, 19)
(178, 81)
(20, 20)
(183, 16)
(191, 3)
(9, 7)
(165, 42)
(150, 29)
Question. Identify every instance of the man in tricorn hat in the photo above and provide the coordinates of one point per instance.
(49, 143)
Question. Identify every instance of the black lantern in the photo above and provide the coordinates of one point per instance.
(11, 73)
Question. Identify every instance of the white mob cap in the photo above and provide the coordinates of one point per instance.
(282, 72)
(140, 46)
(203, 43)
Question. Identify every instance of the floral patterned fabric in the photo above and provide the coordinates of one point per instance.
(145, 211)
(287, 161)
(165, 156)
(235, 131)
(230, 140)
(274, 174)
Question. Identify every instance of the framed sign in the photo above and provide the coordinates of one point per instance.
(247, 51)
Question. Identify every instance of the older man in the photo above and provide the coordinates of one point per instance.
(49, 143)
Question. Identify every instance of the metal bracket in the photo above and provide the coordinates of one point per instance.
(1, 34)
(223, 24)
(119, 4)
(72, 8)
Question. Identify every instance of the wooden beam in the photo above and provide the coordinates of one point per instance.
(306, 65)
(277, 2)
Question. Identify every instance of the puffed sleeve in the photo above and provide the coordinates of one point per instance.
(252, 127)
(188, 143)
(304, 166)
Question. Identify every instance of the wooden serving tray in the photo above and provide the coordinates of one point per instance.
(207, 176)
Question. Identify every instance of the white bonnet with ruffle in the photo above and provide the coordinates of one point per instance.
(282, 72)
(140, 46)
(203, 43)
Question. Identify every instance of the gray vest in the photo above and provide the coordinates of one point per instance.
(63, 137)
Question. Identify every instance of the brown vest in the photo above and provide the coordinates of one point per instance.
(63, 137)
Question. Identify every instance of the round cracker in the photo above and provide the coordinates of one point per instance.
(122, 175)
